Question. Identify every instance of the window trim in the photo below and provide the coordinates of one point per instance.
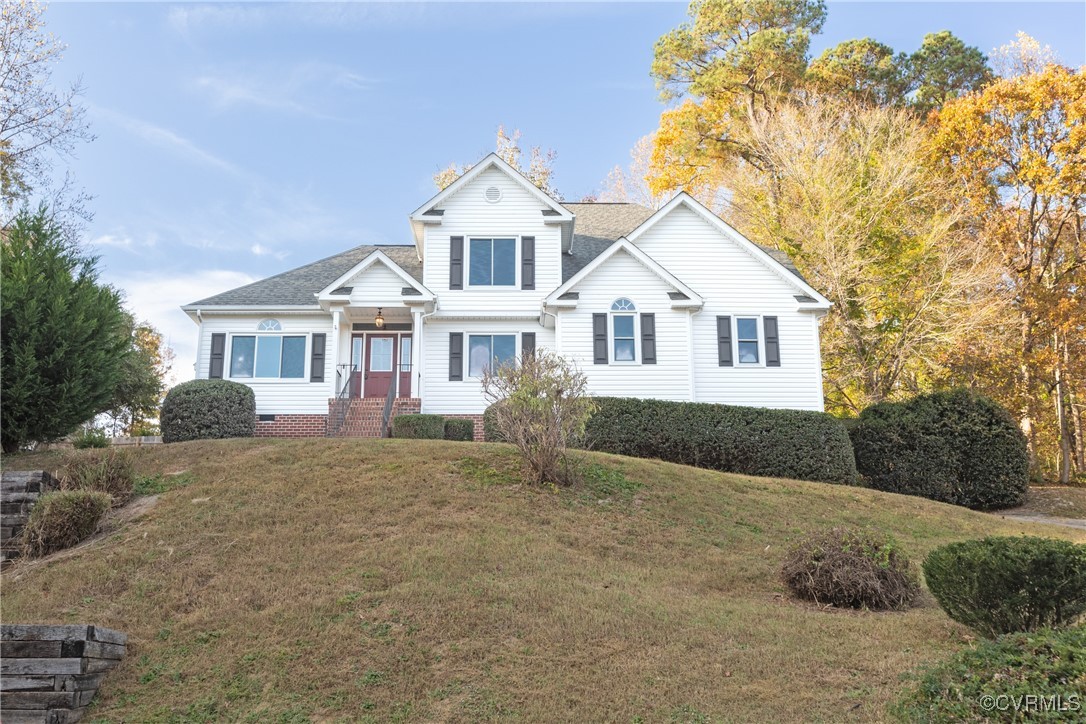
(515, 286)
(636, 314)
(759, 327)
(307, 354)
(467, 375)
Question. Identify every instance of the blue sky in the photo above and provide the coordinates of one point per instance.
(236, 141)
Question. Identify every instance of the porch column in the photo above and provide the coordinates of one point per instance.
(337, 322)
(416, 355)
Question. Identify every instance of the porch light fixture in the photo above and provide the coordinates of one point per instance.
(379, 321)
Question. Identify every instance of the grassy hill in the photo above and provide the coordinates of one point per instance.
(397, 580)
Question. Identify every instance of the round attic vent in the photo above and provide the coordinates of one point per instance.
(493, 194)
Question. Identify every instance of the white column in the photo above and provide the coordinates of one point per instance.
(337, 322)
(416, 355)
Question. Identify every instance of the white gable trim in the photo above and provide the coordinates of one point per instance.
(685, 199)
(644, 259)
(496, 161)
(325, 295)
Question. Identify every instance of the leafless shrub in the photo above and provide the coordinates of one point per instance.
(543, 408)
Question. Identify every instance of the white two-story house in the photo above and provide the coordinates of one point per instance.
(672, 304)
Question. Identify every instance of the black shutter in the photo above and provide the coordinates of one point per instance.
(527, 262)
(724, 341)
(527, 344)
(456, 356)
(599, 338)
(772, 342)
(316, 358)
(218, 353)
(456, 262)
(648, 339)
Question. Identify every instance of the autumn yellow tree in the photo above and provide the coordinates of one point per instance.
(1018, 152)
(539, 167)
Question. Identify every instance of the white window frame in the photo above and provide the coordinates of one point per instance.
(611, 314)
(306, 355)
(516, 262)
(467, 350)
(760, 329)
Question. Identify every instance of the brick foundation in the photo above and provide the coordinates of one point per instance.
(293, 426)
(477, 419)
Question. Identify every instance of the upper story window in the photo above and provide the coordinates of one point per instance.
(623, 331)
(492, 262)
(269, 325)
(486, 351)
(273, 356)
(746, 335)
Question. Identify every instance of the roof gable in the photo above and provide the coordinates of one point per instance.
(690, 297)
(781, 267)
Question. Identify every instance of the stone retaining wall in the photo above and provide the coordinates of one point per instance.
(49, 674)
(19, 491)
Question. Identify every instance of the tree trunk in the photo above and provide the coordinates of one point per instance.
(1026, 420)
(1080, 446)
(1061, 413)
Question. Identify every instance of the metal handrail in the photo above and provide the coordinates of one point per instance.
(342, 404)
(390, 400)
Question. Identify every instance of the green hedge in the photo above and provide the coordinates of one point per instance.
(419, 427)
(490, 424)
(62, 519)
(955, 447)
(207, 410)
(983, 683)
(459, 428)
(756, 441)
(1001, 585)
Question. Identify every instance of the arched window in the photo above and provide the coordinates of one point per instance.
(269, 325)
(623, 331)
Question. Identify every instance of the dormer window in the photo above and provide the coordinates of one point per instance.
(492, 262)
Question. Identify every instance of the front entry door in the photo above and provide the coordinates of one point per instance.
(380, 362)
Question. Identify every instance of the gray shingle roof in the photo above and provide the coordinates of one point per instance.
(599, 225)
(297, 286)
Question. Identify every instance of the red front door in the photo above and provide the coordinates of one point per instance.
(380, 363)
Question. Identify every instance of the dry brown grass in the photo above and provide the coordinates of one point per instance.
(409, 580)
(1061, 501)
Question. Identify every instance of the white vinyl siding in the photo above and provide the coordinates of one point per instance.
(376, 286)
(736, 284)
(468, 214)
(275, 396)
(669, 378)
(442, 396)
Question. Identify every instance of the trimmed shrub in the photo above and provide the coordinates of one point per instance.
(852, 569)
(797, 444)
(104, 471)
(208, 410)
(491, 433)
(61, 519)
(90, 437)
(955, 447)
(983, 683)
(459, 428)
(419, 427)
(1001, 585)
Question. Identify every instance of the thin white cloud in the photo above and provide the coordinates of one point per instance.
(301, 89)
(157, 298)
(167, 139)
(121, 240)
(261, 250)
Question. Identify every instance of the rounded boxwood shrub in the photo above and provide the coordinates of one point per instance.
(955, 447)
(983, 683)
(798, 444)
(999, 585)
(851, 569)
(490, 424)
(208, 410)
(61, 519)
(419, 427)
(459, 428)
(105, 471)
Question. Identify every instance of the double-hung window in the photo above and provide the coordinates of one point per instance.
(269, 356)
(492, 262)
(490, 351)
(623, 331)
(746, 335)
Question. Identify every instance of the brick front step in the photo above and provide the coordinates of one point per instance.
(365, 414)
